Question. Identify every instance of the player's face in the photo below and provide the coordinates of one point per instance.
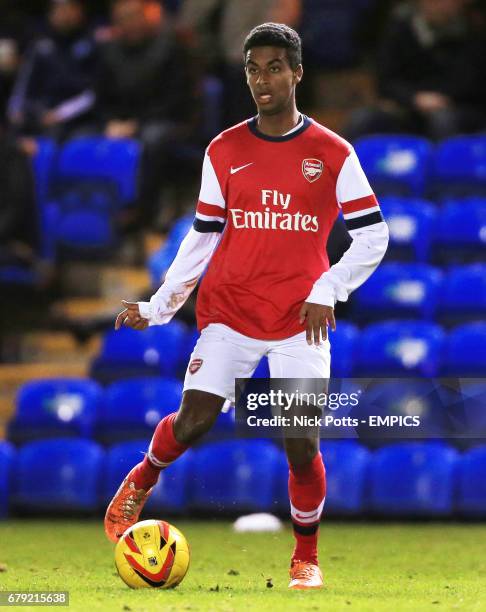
(271, 80)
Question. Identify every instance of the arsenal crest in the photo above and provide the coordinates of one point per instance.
(195, 365)
(312, 169)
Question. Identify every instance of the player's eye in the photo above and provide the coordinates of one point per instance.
(275, 69)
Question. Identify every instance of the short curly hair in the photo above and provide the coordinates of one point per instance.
(276, 35)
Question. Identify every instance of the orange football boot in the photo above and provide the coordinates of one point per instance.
(304, 575)
(124, 508)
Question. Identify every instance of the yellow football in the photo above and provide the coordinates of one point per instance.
(152, 554)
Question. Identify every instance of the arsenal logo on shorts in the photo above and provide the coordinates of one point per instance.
(195, 365)
(312, 169)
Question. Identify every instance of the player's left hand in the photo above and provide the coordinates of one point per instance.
(317, 318)
(131, 317)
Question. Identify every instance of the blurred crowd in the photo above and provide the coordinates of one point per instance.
(169, 73)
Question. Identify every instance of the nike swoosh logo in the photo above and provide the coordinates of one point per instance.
(314, 514)
(235, 170)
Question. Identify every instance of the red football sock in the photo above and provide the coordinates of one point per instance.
(307, 492)
(163, 449)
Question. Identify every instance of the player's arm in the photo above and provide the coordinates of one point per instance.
(369, 232)
(190, 262)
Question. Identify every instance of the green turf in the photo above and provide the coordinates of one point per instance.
(372, 567)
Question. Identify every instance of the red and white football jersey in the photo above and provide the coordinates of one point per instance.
(275, 200)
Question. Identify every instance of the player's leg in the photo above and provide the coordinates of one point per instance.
(219, 357)
(172, 437)
(307, 492)
(294, 358)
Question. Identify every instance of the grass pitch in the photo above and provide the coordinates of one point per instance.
(367, 567)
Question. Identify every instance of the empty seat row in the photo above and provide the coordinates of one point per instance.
(127, 409)
(455, 295)
(398, 347)
(160, 350)
(419, 231)
(130, 410)
(453, 232)
(411, 165)
(414, 479)
(81, 187)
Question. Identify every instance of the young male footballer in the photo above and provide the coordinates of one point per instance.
(271, 190)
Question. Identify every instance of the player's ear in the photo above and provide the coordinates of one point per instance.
(298, 74)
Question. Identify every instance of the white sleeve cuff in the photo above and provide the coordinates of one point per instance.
(323, 294)
(145, 309)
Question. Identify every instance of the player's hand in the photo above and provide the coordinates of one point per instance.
(317, 319)
(130, 316)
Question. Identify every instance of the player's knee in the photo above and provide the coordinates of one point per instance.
(188, 430)
(301, 450)
(195, 418)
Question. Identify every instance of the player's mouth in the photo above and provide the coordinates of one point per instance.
(264, 98)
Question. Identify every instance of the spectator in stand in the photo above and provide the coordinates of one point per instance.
(19, 223)
(145, 90)
(53, 91)
(9, 62)
(220, 26)
(430, 73)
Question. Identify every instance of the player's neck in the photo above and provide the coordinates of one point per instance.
(279, 124)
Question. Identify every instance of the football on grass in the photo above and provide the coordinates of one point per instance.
(152, 554)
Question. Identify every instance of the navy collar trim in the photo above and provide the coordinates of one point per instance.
(253, 127)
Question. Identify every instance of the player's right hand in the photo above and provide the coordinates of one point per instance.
(130, 316)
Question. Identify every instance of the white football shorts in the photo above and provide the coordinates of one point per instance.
(221, 355)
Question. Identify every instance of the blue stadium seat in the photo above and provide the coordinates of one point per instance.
(160, 261)
(158, 264)
(465, 350)
(464, 294)
(460, 165)
(127, 353)
(343, 349)
(399, 289)
(262, 369)
(172, 492)
(346, 464)
(55, 407)
(170, 495)
(134, 407)
(58, 475)
(188, 344)
(395, 164)
(95, 158)
(461, 231)
(472, 483)
(468, 409)
(235, 476)
(411, 223)
(404, 398)
(413, 479)
(7, 454)
(179, 230)
(95, 178)
(400, 348)
(84, 230)
(43, 167)
(224, 426)
(18, 275)
(42, 164)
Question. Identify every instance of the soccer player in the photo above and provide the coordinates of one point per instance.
(271, 190)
